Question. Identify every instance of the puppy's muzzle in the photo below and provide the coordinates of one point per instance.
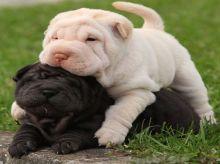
(74, 56)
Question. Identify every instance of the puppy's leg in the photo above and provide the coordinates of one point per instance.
(189, 83)
(17, 112)
(81, 137)
(74, 140)
(119, 117)
(26, 140)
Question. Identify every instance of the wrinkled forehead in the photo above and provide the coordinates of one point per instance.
(94, 18)
(42, 70)
(79, 26)
(73, 21)
(83, 12)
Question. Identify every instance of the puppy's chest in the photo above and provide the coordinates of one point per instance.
(50, 128)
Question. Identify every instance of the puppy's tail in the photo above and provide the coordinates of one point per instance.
(151, 18)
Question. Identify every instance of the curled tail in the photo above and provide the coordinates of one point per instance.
(151, 18)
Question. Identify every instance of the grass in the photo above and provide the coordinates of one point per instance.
(195, 24)
(176, 148)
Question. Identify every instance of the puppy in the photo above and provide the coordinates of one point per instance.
(65, 110)
(130, 63)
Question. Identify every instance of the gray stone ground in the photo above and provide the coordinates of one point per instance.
(25, 2)
(46, 156)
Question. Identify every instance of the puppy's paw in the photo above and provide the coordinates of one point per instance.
(109, 137)
(208, 117)
(65, 147)
(17, 112)
(16, 150)
(112, 132)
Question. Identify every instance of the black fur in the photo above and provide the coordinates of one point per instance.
(64, 111)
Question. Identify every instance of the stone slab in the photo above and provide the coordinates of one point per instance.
(46, 156)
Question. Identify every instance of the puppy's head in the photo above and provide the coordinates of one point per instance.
(46, 91)
(85, 41)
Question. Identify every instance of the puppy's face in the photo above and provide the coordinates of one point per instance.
(85, 41)
(46, 91)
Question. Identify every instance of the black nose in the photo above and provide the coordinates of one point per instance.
(49, 93)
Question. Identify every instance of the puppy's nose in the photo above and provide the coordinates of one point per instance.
(60, 57)
(49, 93)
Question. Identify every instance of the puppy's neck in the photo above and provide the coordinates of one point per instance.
(108, 76)
(50, 127)
(103, 78)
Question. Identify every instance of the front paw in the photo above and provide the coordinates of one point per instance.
(109, 137)
(17, 112)
(208, 117)
(16, 150)
(65, 147)
(112, 132)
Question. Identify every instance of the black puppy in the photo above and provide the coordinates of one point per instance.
(64, 111)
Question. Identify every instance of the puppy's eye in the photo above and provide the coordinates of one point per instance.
(54, 38)
(91, 39)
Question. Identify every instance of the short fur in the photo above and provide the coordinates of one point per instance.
(64, 111)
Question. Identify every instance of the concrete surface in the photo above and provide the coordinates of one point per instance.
(46, 156)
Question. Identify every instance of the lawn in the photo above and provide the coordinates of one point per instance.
(195, 23)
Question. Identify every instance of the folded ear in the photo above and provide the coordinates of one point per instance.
(123, 27)
(22, 71)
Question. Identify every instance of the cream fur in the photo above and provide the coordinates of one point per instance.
(131, 63)
(17, 112)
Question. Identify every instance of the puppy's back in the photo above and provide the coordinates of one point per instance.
(169, 108)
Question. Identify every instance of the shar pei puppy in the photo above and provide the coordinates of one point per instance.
(64, 111)
(131, 63)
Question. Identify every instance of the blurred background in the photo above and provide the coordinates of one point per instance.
(25, 2)
(196, 24)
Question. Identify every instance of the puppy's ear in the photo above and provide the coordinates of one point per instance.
(123, 27)
(22, 71)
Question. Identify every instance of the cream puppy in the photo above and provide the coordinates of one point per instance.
(130, 63)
